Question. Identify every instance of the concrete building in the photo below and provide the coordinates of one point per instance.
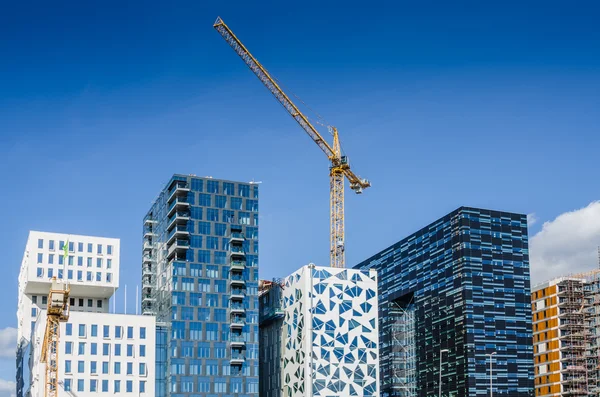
(92, 272)
(565, 335)
(200, 279)
(454, 296)
(329, 335)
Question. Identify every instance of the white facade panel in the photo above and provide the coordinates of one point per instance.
(330, 335)
(99, 353)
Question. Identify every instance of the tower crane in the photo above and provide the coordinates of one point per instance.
(56, 313)
(339, 165)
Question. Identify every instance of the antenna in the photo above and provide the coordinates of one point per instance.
(125, 299)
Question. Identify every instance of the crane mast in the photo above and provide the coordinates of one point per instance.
(57, 312)
(339, 166)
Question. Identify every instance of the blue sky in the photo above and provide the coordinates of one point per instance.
(439, 105)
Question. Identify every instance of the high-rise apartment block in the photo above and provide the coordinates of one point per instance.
(319, 334)
(452, 297)
(200, 279)
(566, 333)
(98, 351)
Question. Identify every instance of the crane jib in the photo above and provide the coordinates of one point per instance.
(340, 167)
(272, 86)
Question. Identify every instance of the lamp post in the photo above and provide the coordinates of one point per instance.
(491, 372)
(440, 382)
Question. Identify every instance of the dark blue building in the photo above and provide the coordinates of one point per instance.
(200, 280)
(455, 295)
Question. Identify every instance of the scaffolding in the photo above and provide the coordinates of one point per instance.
(402, 364)
(592, 318)
(573, 301)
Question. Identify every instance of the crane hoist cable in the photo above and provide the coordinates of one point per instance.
(339, 167)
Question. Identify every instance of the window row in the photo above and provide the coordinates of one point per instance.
(191, 384)
(217, 243)
(223, 202)
(95, 367)
(212, 272)
(118, 331)
(212, 331)
(104, 385)
(228, 188)
(204, 314)
(71, 274)
(80, 303)
(89, 262)
(116, 350)
(80, 246)
(178, 298)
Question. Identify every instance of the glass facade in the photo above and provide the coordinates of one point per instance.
(200, 279)
(460, 289)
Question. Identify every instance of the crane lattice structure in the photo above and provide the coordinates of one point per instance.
(58, 311)
(339, 166)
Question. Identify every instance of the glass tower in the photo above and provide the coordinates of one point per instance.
(200, 280)
(453, 296)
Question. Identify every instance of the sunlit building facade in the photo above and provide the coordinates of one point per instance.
(453, 296)
(200, 279)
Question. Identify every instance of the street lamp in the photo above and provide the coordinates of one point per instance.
(440, 382)
(491, 372)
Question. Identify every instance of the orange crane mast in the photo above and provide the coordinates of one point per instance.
(339, 165)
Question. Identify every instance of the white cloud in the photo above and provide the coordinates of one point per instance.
(567, 244)
(531, 219)
(7, 388)
(8, 342)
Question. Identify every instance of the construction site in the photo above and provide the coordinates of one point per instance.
(566, 331)
(409, 321)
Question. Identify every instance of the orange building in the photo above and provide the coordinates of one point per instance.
(560, 337)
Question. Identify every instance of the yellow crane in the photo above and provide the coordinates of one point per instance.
(56, 313)
(339, 166)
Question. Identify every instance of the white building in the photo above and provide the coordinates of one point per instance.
(99, 353)
(331, 350)
(92, 272)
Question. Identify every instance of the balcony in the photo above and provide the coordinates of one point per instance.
(179, 204)
(147, 259)
(237, 294)
(178, 189)
(178, 232)
(237, 340)
(147, 246)
(237, 253)
(178, 218)
(237, 280)
(237, 357)
(147, 281)
(148, 221)
(178, 247)
(236, 237)
(237, 322)
(237, 265)
(147, 270)
(237, 308)
(148, 298)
